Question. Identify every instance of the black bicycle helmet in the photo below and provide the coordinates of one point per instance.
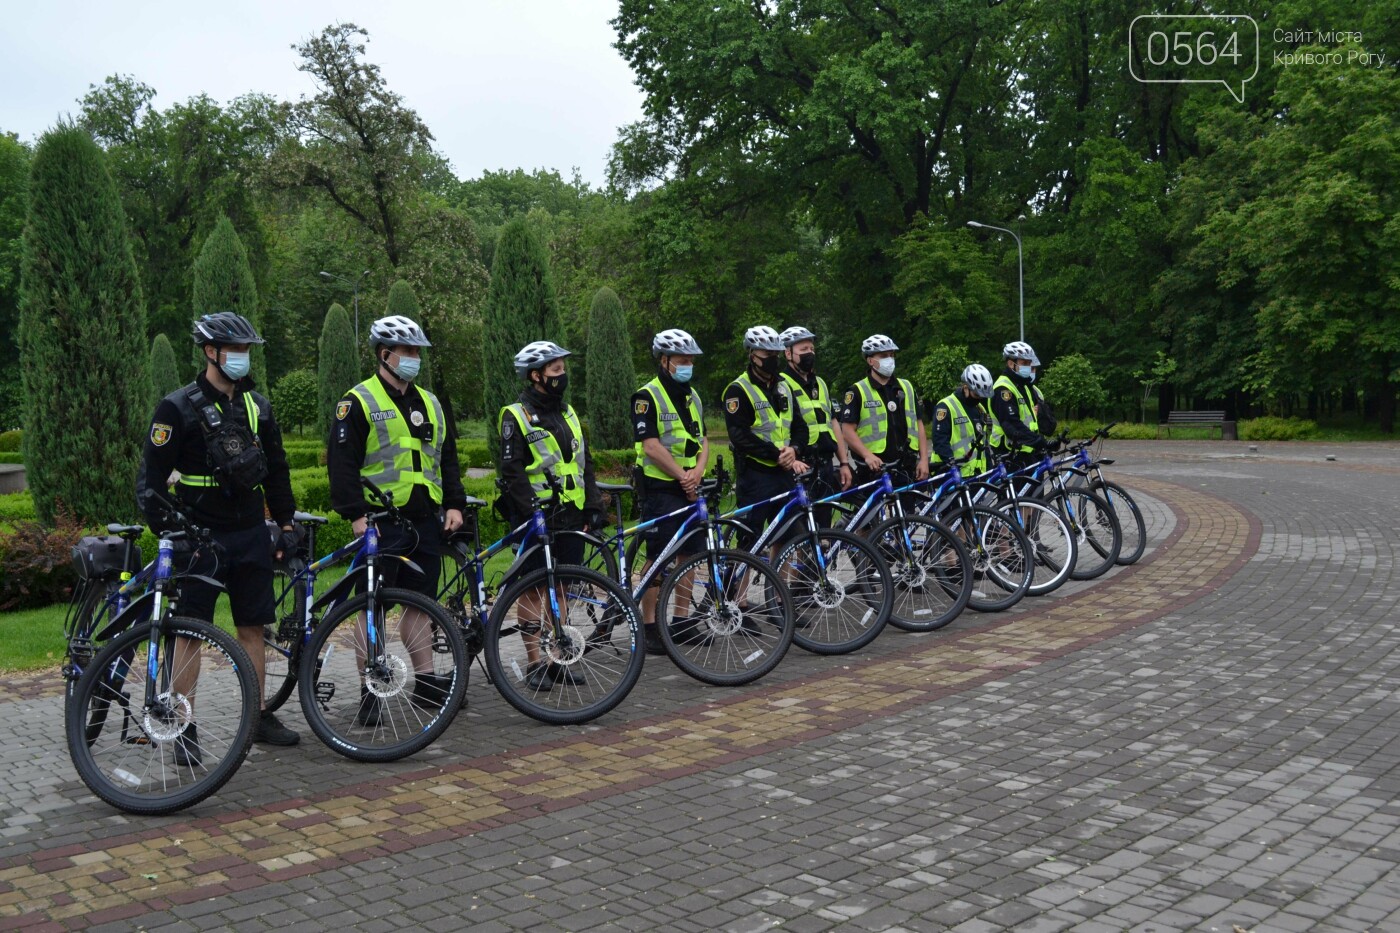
(224, 328)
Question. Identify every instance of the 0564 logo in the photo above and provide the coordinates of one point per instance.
(1202, 48)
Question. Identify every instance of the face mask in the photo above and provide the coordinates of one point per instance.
(885, 367)
(236, 365)
(807, 362)
(769, 366)
(555, 385)
(1025, 372)
(408, 367)
(683, 373)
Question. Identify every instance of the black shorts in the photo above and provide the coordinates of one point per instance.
(244, 567)
(755, 486)
(662, 502)
(420, 542)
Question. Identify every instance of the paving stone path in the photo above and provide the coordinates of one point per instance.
(1206, 740)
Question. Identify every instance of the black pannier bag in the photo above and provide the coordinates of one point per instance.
(100, 557)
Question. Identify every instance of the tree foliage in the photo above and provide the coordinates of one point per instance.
(295, 400)
(223, 282)
(165, 372)
(14, 204)
(611, 376)
(402, 302)
(338, 365)
(82, 335)
(1073, 385)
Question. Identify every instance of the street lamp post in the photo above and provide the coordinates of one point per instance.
(328, 276)
(1020, 268)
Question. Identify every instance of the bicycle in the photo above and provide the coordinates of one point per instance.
(728, 617)
(380, 674)
(137, 739)
(930, 569)
(1089, 516)
(1089, 471)
(578, 652)
(110, 576)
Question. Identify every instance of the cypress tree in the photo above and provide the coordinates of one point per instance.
(520, 307)
(402, 301)
(611, 378)
(338, 365)
(223, 281)
(165, 374)
(82, 334)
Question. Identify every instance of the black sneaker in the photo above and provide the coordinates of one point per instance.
(567, 675)
(370, 712)
(540, 679)
(270, 731)
(188, 754)
(686, 630)
(431, 689)
(652, 639)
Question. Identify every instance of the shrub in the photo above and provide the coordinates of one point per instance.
(1072, 385)
(939, 372)
(294, 399)
(474, 453)
(611, 378)
(223, 281)
(11, 457)
(1277, 429)
(1122, 431)
(165, 373)
(10, 441)
(36, 566)
(337, 366)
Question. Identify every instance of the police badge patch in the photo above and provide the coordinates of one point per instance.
(417, 419)
(641, 408)
(507, 428)
(942, 413)
(850, 397)
(1006, 395)
(342, 410)
(732, 406)
(160, 434)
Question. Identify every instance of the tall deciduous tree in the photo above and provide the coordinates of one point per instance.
(611, 378)
(165, 372)
(520, 307)
(338, 365)
(223, 282)
(82, 336)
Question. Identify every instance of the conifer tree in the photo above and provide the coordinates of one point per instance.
(223, 281)
(611, 377)
(520, 307)
(338, 365)
(165, 373)
(82, 334)
(403, 302)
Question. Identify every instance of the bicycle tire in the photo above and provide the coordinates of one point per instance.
(580, 674)
(1093, 522)
(1054, 546)
(1000, 554)
(130, 760)
(283, 639)
(740, 627)
(844, 608)
(1130, 520)
(930, 572)
(597, 555)
(393, 711)
(84, 626)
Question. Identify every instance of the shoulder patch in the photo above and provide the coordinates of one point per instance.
(942, 413)
(731, 406)
(1006, 395)
(641, 407)
(850, 396)
(343, 409)
(507, 428)
(160, 434)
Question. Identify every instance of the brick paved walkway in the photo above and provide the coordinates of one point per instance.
(1205, 740)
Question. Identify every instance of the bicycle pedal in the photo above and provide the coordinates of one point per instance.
(440, 644)
(325, 692)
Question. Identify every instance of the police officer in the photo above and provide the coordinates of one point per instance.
(541, 432)
(672, 453)
(221, 438)
(395, 434)
(766, 430)
(825, 440)
(1023, 419)
(961, 422)
(879, 416)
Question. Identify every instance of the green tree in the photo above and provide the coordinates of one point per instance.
(338, 365)
(403, 302)
(1073, 385)
(165, 372)
(223, 282)
(295, 400)
(520, 307)
(14, 204)
(939, 371)
(611, 378)
(82, 336)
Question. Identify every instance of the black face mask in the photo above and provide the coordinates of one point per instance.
(807, 362)
(554, 385)
(769, 367)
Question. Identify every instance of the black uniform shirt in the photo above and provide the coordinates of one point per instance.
(891, 395)
(824, 447)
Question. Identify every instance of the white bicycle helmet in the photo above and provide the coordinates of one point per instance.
(397, 331)
(1019, 350)
(796, 335)
(877, 343)
(536, 355)
(979, 379)
(762, 337)
(674, 342)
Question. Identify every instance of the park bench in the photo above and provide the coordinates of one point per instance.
(1193, 419)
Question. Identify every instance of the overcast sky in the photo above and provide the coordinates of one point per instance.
(525, 84)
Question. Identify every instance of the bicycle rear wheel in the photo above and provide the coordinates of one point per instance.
(386, 698)
(163, 753)
(842, 600)
(1053, 546)
(1000, 555)
(1092, 521)
(930, 572)
(569, 659)
(1130, 521)
(283, 638)
(729, 617)
(87, 611)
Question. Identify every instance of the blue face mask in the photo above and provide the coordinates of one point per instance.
(1025, 372)
(408, 368)
(236, 365)
(683, 373)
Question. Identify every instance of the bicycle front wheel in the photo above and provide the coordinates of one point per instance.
(159, 750)
(565, 657)
(1054, 548)
(1000, 555)
(382, 691)
(728, 615)
(1130, 521)
(1092, 521)
(282, 639)
(841, 592)
(929, 570)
